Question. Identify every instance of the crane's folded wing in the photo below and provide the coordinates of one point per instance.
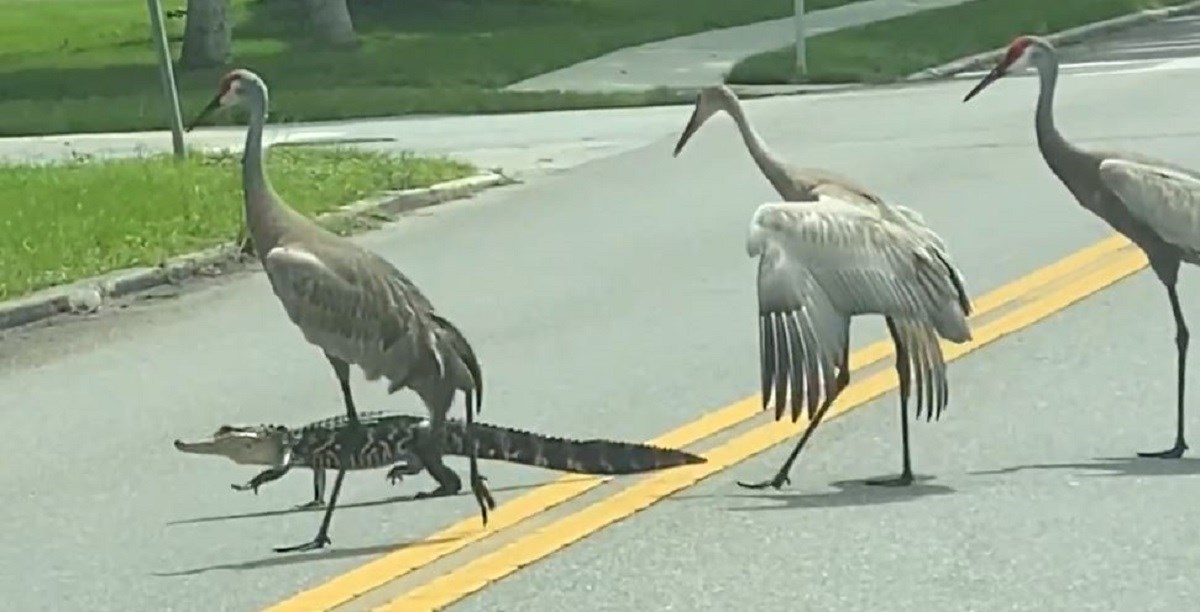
(346, 307)
(1166, 199)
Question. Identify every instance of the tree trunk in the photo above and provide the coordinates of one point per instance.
(206, 34)
(330, 21)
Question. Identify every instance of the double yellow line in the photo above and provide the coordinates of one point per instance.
(1010, 308)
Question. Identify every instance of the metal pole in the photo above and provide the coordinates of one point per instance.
(167, 72)
(801, 47)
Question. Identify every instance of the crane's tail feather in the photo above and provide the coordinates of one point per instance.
(449, 337)
(593, 456)
(960, 289)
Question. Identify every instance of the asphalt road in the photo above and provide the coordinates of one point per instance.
(615, 300)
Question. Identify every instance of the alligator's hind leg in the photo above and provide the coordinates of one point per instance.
(318, 500)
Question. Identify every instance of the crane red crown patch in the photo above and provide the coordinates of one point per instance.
(1016, 48)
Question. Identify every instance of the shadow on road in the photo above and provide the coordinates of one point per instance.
(280, 559)
(1113, 466)
(341, 506)
(848, 493)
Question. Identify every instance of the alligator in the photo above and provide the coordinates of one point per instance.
(393, 439)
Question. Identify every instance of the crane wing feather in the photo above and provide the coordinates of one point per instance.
(1165, 199)
(350, 309)
(801, 334)
(863, 263)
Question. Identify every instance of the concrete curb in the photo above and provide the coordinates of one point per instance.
(1063, 37)
(90, 294)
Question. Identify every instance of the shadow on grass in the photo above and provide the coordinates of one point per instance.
(285, 559)
(342, 506)
(1112, 466)
(849, 493)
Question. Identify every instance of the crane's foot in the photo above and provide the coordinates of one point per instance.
(321, 541)
(777, 482)
(309, 505)
(1174, 452)
(483, 497)
(902, 480)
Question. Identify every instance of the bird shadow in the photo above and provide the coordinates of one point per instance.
(848, 493)
(285, 559)
(396, 499)
(1112, 466)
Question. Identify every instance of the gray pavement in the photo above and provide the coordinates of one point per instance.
(703, 59)
(1036, 502)
(550, 281)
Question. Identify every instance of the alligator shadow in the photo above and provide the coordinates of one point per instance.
(849, 493)
(1112, 466)
(343, 506)
(285, 559)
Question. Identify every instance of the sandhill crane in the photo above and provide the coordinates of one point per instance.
(1156, 204)
(354, 305)
(836, 206)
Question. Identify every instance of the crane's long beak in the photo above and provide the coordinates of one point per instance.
(692, 124)
(987, 79)
(212, 105)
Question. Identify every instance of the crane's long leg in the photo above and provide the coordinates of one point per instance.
(1181, 345)
(432, 450)
(322, 538)
(342, 370)
(902, 370)
(781, 478)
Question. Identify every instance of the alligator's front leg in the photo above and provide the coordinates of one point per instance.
(268, 475)
(410, 466)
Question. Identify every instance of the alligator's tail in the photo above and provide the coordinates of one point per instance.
(564, 454)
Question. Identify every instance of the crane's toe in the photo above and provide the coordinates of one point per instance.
(321, 541)
(776, 483)
(1174, 452)
(902, 480)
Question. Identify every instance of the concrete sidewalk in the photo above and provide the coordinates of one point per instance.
(703, 59)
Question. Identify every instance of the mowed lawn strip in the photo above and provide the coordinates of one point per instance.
(63, 222)
(89, 65)
(888, 50)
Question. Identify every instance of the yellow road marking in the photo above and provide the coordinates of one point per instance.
(391, 566)
(527, 549)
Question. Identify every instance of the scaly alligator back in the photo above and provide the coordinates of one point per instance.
(564, 454)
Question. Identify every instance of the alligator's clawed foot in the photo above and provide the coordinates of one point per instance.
(321, 541)
(1174, 452)
(309, 505)
(395, 476)
(438, 492)
(777, 483)
(902, 480)
(245, 487)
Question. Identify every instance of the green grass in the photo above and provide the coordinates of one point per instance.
(889, 50)
(89, 65)
(67, 221)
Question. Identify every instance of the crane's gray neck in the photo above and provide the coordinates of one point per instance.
(1057, 152)
(766, 160)
(262, 206)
